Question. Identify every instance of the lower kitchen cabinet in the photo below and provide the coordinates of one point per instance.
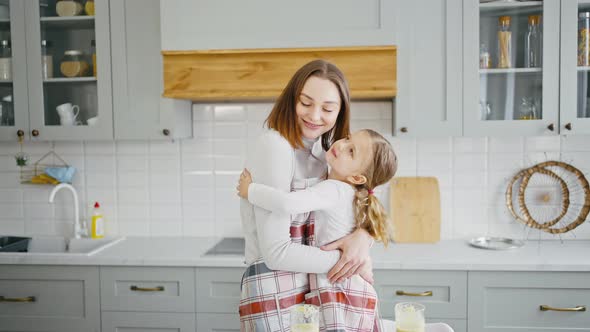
(218, 322)
(444, 293)
(218, 290)
(156, 289)
(49, 298)
(147, 321)
(512, 301)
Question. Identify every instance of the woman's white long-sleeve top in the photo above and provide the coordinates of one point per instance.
(274, 162)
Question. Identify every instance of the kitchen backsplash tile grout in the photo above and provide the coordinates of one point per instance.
(186, 187)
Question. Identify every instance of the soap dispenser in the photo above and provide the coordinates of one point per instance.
(97, 223)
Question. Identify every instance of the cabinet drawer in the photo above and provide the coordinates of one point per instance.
(218, 322)
(444, 293)
(218, 289)
(160, 289)
(35, 298)
(510, 301)
(144, 321)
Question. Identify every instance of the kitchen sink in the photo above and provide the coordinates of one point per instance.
(228, 246)
(55, 245)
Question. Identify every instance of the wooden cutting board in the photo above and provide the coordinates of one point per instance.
(415, 209)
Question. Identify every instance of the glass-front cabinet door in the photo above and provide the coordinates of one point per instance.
(14, 117)
(68, 49)
(575, 67)
(511, 73)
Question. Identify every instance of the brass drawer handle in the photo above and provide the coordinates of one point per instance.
(401, 292)
(17, 299)
(147, 289)
(579, 308)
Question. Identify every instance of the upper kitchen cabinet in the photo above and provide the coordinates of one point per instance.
(69, 69)
(511, 67)
(428, 101)
(139, 110)
(225, 24)
(13, 70)
(575, 67)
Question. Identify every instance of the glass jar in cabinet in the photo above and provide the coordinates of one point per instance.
(73, 64)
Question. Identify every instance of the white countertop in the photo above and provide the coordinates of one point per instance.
(445, 255)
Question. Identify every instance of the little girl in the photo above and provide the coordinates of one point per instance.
(343, 202)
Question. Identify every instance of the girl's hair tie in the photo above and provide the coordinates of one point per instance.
(370, 192)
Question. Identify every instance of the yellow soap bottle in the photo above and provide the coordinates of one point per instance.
(97, 223)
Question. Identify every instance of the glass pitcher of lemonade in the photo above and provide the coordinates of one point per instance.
(409, 317)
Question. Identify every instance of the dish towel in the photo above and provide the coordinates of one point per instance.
(62, 174)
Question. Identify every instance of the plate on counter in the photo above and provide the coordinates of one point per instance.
(495, 243)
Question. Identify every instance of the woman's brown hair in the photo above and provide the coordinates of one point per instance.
(369, 212)
(283, 117)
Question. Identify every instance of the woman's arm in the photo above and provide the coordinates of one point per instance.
(272, 165)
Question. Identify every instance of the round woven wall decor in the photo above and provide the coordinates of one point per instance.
(557, 201)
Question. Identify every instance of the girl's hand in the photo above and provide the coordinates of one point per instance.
(355, 252)
(245, 180)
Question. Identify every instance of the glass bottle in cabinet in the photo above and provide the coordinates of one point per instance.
(504, 42)
(532, 43)
(5, 60)
(584, 39)
(46, 59)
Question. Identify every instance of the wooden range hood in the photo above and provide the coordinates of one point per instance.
(261, 74)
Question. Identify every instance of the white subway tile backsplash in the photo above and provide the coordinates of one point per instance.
(100, 163)
(165, 194)
(8, 163)
(469, 161)
(542, 143)
(506, 144)
(132, 148)
(132, 163)
(202, 112)
(68, 148)
(258, 112)
(13, 227)
(469, 144)
(100, 179)
(166, 228)
(166, 211)
(229, 113)
(129, 212)
(199, 229)
(235, 164)
(230, 130)
(187, 187)
(11, 211)
(10, 180)
(197, 164)
(9, 148)
(575, 143)
(129, 195)
(165, 148)
(196, 147)
(104, 148)
(12, 196)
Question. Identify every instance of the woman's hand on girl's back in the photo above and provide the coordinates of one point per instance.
(355, 252)
(244, 183)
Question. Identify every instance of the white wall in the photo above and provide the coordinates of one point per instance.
(186, 188)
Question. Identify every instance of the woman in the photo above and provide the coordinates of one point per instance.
(311, 113)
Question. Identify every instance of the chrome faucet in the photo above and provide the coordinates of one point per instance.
(78, 230)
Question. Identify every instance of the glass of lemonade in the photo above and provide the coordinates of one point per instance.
(409, 317)
(305, 318)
